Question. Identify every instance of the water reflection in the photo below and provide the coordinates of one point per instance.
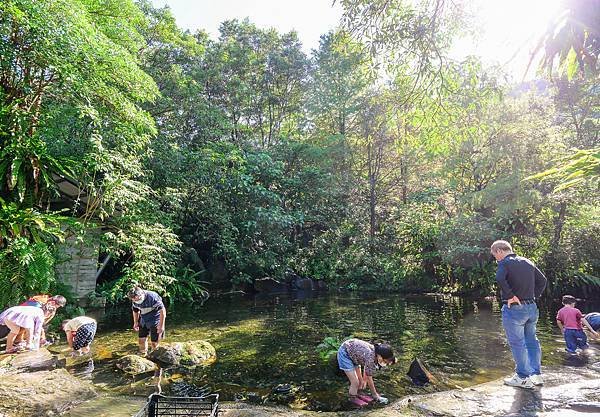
(265, 341)
(83, 370)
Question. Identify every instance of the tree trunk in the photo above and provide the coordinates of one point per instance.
(372, 200)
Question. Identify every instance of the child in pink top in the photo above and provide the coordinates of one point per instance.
(568, 319)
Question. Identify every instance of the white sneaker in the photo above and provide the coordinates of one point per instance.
(517, 381)
(536, 379)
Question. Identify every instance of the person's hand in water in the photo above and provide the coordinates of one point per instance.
(382, 400)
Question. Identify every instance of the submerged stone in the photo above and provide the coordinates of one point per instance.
(193, 353)
(185, 389)
(135, 365)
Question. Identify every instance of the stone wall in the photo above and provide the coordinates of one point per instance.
(80, 265)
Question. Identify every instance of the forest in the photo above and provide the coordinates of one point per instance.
(376, 162)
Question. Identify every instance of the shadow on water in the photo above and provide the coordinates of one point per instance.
(265, 341)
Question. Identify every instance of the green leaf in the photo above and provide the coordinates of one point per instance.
(15, 173)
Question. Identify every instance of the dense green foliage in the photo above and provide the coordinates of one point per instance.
(216, 162)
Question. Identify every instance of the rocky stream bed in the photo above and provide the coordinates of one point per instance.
(37, 384)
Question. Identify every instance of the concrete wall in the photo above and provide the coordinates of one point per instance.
(79, 267)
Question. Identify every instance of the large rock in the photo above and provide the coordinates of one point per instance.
(290, 276)
(193, 353)
(321, 286)
(270, 285)
(135, 365)
(303, 283)
(565, 388)
(39, 360)
(42, 393)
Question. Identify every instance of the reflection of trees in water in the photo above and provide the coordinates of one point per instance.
(482, 339)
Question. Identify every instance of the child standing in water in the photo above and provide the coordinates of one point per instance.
(354, 354)
(568, 319)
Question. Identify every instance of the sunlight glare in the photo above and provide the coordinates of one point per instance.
(508, 32)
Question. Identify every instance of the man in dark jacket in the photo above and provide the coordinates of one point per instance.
(521, 283)
(149, 315)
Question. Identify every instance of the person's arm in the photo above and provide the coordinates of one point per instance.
(371, 384)
(161, 321)
(136, 319)
(587, 325)
(502, 280)
(373, 390)
(362, 378)
(560, 325)
(540, 282)
(69, 335)
(38, 322)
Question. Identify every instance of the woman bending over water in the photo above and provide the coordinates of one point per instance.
(354, 354)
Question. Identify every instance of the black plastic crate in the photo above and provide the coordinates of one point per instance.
(163, 406)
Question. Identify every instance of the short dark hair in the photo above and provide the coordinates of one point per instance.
(135, 292)
(63, 324)
(385, 351)
(568, 299)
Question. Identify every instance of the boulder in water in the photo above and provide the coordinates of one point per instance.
(38, 360)
(320, 285)
(270, 285)
(135, 365)
(42, 393)
(303, 284)
(193, 353)
(290, 276)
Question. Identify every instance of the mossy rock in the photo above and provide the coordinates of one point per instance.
(189, 354)
(135, 365)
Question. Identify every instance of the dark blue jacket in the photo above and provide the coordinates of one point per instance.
(519, 276)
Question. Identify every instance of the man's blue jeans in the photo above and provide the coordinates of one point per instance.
(519, 322)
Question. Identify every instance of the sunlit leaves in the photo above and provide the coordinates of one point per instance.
(574, 170)
(572, 41)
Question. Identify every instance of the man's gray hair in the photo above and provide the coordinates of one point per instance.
(135, 292)
(501, 246)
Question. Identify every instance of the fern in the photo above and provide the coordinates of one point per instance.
(587, 280)
(25, 269)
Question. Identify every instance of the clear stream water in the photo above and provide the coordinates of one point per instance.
(265, 341)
